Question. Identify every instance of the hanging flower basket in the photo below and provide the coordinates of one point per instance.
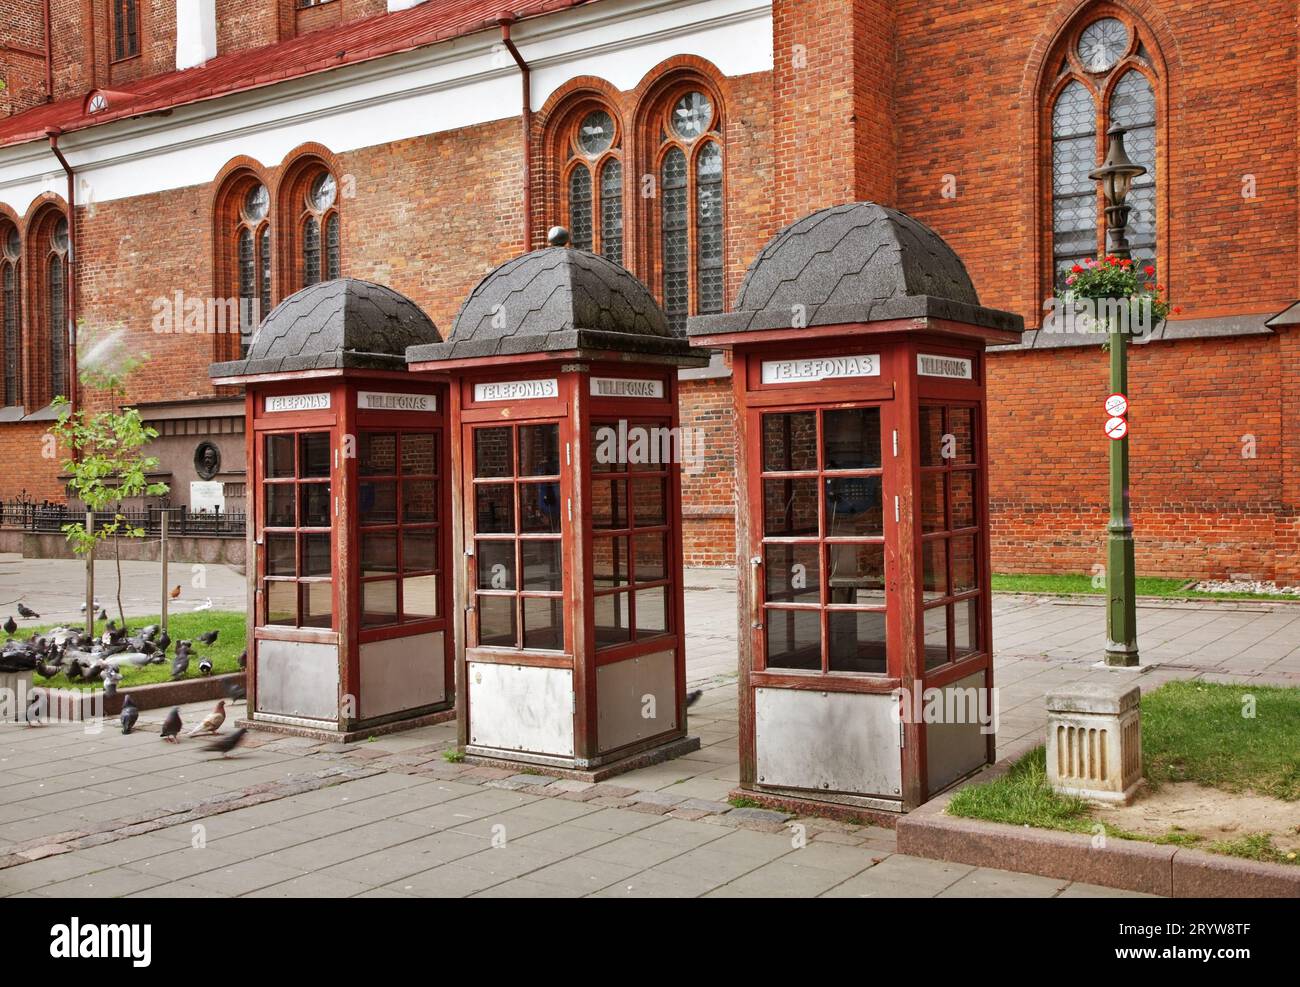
(1112, 294)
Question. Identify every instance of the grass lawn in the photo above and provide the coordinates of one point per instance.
(224, 654)
(1082, 583)
(1191, 731)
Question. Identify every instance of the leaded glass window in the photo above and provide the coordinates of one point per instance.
(1074, 194)
(266, 273)
(580, 226)
(675, 233)
(708, 228)
(310, 251)
(1133, 105)
(55, 284)
(332, 246)
(126, 29)
(12, 344)
(248, 296)
(611, 210)
(594, 194)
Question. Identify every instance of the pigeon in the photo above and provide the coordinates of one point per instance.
(243, 658)
(236, 692)
(205, 605)
(181, 663)
(176, 591)
(129, 714)
(210, 638)
(111, 678)
(26, 613)
(693, 697)
(172, 725)
(212, 722)
(164, 642)
(94, 606)
(205, 666)
(102, 615)
(10, 626)
(224, 745)
(150, 632)
(46, 671)
(35, 709)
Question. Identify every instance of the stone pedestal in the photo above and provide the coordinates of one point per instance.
(1094, 741)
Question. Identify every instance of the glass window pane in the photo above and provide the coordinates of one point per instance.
(419, 597)
(377, 455)
(853, 507)
(317, 559)
(310, 251)
(611, 211)
(379, 603)
(543, 565)
(934, 569)
(790, 442)
(280, 557)
(314, 454)
(964, 573)
(612, 619)
(792, 573)
(543, 623)
(651, 561)
(857, 641)
(580, 225)
(279, 456)
(317, 604)
(856, 575)
(606, 456)
(419, 500)
(961, 426)
(282, 604)
(494, 508)
(794, 639)
(280, 505)
(497, 626)
(648, 502)
(608, 504)
(315, 505)
(932, 514)
(936, 636)
(377, 501)
(708, 228)
(652, 611)
(932, 444)
(790, 507)
(962, 484)
(539, 450)
(539, 508)
(496, 565)
(492, 452)
(674, 224)
(610, 562)
(419, 453)
(966, 621)
(378, 553)
(851, 439)
(419, 550)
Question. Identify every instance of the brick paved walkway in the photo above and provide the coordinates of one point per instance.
(109, 815)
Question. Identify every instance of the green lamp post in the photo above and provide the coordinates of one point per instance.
(1116, 176)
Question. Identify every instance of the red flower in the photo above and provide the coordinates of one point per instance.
(1076, 269)
(1148, 270)
(1178, 310)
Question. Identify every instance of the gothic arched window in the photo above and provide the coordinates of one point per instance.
(56, 310)
(11, 315)
(593, 206)
(243, 261)
(1106, 76)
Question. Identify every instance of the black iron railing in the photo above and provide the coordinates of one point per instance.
(49, 517)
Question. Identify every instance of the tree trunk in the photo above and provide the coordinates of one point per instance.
(117, 552)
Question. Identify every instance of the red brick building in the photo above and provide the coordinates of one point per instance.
(224, 154)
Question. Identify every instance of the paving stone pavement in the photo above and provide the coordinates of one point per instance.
(103, 815)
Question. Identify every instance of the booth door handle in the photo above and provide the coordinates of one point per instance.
(756, 592)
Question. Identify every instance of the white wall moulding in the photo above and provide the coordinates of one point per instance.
(458, 83)
(196, 32)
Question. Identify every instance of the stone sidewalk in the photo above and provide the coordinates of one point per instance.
(106, 815)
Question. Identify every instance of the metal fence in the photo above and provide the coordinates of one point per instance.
(50, 517)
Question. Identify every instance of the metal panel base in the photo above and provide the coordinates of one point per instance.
(598, 769)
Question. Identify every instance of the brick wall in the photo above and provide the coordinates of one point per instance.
(708, 494)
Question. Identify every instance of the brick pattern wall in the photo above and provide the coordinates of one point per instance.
(708, 480)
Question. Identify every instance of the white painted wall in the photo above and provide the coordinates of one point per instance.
(443, 87)
(196, 32)
(402, 4)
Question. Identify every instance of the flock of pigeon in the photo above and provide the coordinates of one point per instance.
(102, 658)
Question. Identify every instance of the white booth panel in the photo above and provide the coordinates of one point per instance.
(402, 673)
(295, 678)
(636, 700)
(521, 708)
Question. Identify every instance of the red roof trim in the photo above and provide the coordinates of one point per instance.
(429, 23)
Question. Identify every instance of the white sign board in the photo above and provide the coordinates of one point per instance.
(207, 495)
(626, 387)
(517, 390)
(394, 401)
(1116, 405)
(933, 365)
(297, 402)
(1116, 428)
(820, 368)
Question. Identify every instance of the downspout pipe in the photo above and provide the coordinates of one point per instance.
(53, 133)
(49, 56)
(525, 75)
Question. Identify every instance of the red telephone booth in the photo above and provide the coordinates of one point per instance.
(347, 503)
(563, 404)
(862, 519)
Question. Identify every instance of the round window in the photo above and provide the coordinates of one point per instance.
(59, 238)
(323, 190)
(12, 244)
(1102, 43)
(596, 132)
(256, 203)
(692, 115)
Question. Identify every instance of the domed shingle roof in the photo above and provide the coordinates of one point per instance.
(859, 262)
(334, 324)
(557, 299)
